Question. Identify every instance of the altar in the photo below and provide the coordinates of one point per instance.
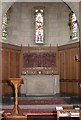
(40, 84)
(39, 70)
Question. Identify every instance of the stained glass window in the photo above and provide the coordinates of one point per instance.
(39, 26)
(73, 26)
(4, 27)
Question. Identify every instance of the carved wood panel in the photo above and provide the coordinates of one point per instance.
(39, 60)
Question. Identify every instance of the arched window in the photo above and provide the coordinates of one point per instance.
(73, 26)
(39, 26)
(4, 27)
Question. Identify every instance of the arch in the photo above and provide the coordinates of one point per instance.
(73, 5)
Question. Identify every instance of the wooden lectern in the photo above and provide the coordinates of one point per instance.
(16, 113)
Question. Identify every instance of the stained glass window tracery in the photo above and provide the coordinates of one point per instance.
(73, 26)
(4, 27)
(39, 26)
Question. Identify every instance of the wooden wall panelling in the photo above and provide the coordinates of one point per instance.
(6, 88)
(10, 65)
(72, 64)
(5, 64)
(62, 60)
(3, 88)
(17, 64)
(75, 88)
(5, 72)
(61, 64)
(77, 64)
(69, 87)
(67, 64)
(63, 87)
(74, 71)
(14, 64)
(69, 69)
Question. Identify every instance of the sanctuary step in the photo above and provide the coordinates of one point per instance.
(68, 98)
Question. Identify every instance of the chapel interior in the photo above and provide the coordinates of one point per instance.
(40, 51)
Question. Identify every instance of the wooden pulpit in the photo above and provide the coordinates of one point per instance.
(16, 113)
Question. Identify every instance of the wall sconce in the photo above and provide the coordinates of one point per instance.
(77, 58)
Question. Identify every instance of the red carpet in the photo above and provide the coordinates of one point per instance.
(42, 102)
(35, 111)
(38, 102)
